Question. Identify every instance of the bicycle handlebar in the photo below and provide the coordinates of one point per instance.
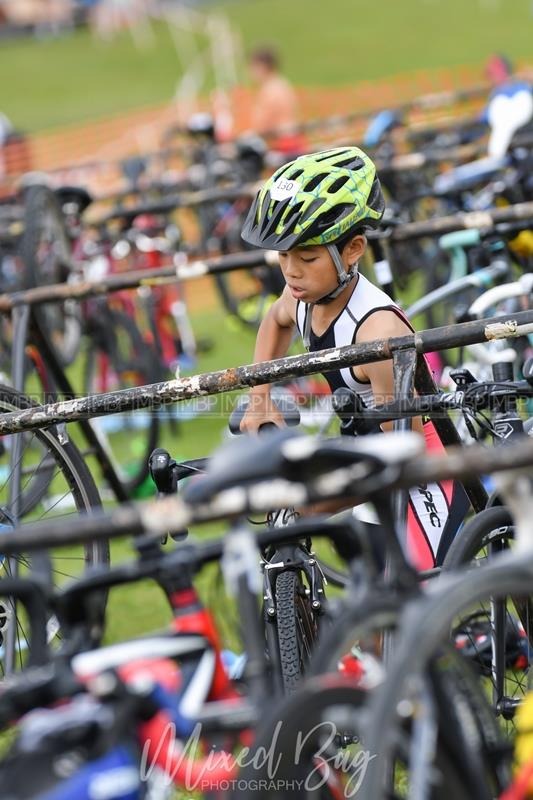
(285, 405)
(477, 396)
(193, 556)
(156, 518)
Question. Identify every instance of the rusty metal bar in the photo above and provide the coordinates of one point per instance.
(143, 277)
(462, 221)
(181, 200)
(158, 517)
(208, 383)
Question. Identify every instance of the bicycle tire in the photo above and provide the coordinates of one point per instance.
(489, 534)
(473, 536)
(425, 631)
(105, 332)
(296, 628)
(44, 228)
(71, 476)
(309, 727)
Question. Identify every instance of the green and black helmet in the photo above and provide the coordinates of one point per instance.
(317, 199)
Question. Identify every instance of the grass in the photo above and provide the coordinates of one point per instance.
(60, 81)
(344, 41)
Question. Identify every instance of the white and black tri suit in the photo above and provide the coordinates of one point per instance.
(436, 510)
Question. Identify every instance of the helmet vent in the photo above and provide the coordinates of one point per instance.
(350, 163)
(338, 184)
(296, 174)
(332, 153)
(333, 216)
(313, 183)
(295, 210)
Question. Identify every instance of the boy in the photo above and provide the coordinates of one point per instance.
(315, 211)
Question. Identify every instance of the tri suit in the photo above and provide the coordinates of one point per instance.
(435, 510)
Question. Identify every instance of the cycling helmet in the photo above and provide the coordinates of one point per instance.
(322, 198)
(473, 638)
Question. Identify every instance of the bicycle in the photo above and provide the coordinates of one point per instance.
(294, 600)
(297, 466)
(199, 694)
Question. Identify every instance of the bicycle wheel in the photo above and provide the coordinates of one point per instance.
(297, 628)
(490, 526)
(117, 358)
(361, 644)
(496, 635)
(439, 741)
(45, 254)
(68, 489)
(316, 738)
(397, 711)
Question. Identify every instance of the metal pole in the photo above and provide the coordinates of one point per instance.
(208, 383)
(58, 292)
(157, 517)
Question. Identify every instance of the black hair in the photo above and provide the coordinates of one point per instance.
(341, 244)
(266, 56)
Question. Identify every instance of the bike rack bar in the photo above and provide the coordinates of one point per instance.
(171, 513)
(461, 221)
(181, 200)
(58, 292)
(209, 383)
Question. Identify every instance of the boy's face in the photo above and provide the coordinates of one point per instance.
(310, 273)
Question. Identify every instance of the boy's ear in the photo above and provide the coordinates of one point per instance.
(355, 249)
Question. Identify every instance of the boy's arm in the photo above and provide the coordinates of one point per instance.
(273, 340)
(382, 324)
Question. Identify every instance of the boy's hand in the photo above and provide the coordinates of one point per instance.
(261, 410)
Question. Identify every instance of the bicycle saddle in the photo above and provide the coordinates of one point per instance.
(74, 194)
(286, 455)
(469, 175)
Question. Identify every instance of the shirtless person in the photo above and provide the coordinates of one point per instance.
(276, 104)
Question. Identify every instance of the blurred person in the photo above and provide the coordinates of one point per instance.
(276, 104)
(14, 150)
(108, 17)
(6, 129)
(510, 104)
(315, 212)
(41, 15)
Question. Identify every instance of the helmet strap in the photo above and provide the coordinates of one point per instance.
(343, 278)
(307, 327)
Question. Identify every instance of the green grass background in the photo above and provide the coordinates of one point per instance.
(59, 81)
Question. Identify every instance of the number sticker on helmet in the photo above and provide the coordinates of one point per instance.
(282, 189)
